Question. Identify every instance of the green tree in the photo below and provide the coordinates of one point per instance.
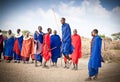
(103, 37)
(116, 36)
(25, 31)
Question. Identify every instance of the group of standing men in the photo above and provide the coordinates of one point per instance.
(42, 45)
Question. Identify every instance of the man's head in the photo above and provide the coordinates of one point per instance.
(18, 31)
(36, 32)
(55, 32)
(62, 20)
(9, 32)
(40, 28)
(27, 34)
(49, 30)
(75, 31)
(0, 30)
(94, 32)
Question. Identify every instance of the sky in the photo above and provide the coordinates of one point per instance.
(83, 15)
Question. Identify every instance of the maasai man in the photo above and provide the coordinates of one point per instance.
(55, 46)
(18, 46)
(46, 47)
(95, 57)
(66, 61)
(67, 47)
(1, 44)
(8, 48)
(38, 39)
(27, 47)
(76, 42)
(32, 55)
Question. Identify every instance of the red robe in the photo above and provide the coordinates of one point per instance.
(46, 47)
(27, 48)
(16, 47)
(76, 42)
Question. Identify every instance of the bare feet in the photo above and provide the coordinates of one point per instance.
(45, 66)
(35, 63)
(95, 78)
(88, 79)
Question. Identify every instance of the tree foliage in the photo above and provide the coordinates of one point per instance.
(25, 31)
(116, 36)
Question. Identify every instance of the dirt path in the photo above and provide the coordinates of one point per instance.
(13, 72)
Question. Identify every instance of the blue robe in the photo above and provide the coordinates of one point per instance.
(55, 42)
(39, 38)
(20, 40)
(67, 47)
(95, 58)
(8, 48)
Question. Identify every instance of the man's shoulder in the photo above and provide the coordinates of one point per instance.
(98, 37)
(67, 24)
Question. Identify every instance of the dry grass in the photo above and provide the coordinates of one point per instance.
(110, 50)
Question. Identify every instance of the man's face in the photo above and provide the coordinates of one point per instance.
(50, 31)
(18, 31)
(36, 32)
(55, 32)
(62, 21)
(40, 29)
(75, 31)
(9, 32)
(92, 34)
(27, 34)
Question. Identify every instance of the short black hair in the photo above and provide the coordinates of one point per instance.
(40, 27)
(95, 30)
(10, 31)
(49, 29)
(18, 30)
(63, 18)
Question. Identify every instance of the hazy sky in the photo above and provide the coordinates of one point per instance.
(83, 15)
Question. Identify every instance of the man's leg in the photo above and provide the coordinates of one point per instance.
(35, 63)
(40, 60)
(55, 64)
(65, 61)
(76, 67)
(96, 74)
(73, 67)
(95, 77)
(69, 62)
(15, 60)
(67, 57)
(44, 65)
(65, 65)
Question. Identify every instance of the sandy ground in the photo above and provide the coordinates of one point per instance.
(14, 72)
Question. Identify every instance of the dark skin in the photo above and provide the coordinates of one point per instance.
(54, 63)
(75, 66)
(93, 34)
(66, 56)
(49, 32)
(39, 28)
(0, 30)
(62, 21)
(18, 31)
(9, 32)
